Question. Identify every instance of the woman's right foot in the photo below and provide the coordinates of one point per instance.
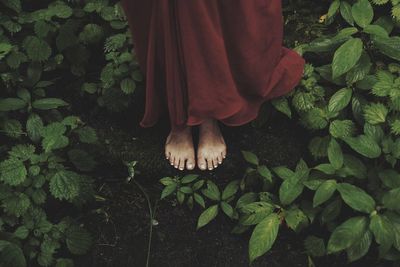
(179, 149)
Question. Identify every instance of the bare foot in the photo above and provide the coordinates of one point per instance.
(212, 147)
(179, 148)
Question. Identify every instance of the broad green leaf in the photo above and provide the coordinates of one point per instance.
(331, 211)
(34, 126)
(345, 11)
(391, 199)
(389, 46)
(255, 212)
(87, 135)
(289, 190)
(11, 255)
(53, 137)
(189, 178)
(208, 215)
(342, 128)
(296, 219)
(375, 113)
(354, 167)
(263, 236)
(363, 13)
(315, 246)
(282, 105)
(78, 240)
(335, 154)
(13, 171)
(65, 185)
(212, 191)
(346, 56)
(168, 190)
(227, 209)
(356, 198)
(390, 178)
(364, 145)
(383, 230)
(9, 104)
(340, 100)
(283, 172)
(250, 157)
(36, 49)
(359, 248)
(324, 192)
(348, 233)
(48, 103)
(230, 189)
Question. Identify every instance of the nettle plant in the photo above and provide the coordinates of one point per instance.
(44, 154)
(352, 107)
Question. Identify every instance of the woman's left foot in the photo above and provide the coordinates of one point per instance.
(212, 147)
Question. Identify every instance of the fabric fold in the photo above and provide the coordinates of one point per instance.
(217, 59)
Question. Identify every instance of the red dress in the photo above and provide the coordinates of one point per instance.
(211, 58)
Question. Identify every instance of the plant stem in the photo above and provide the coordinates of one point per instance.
(152, 214)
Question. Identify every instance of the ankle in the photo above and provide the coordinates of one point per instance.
(178, 129)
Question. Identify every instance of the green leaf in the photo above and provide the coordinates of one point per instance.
(346, 56)
(87, 135)
(356, 198)
(391, 199)
(65, 184)
(212, 191)
(296, 219)
(199, 199)
(346, 234)
(354, 167)
(227, 209)
(364, 145)
(282, 104)
(128, 86)
(315, 246)
(335, 154)
(168, 190)
(11, 255)
(230, 189)
(21, 232)
(283, 172)
(375, 113)
(363, 13)
(53, 137)
(9, 104)
(16, 204)
(340, 100)
(48, 103)
(383, 230)
(189, 178)
(207, 216)
(345, 11)
(34, 126)
(255, 212)
(250, 157)
(289, 190)
(13, 171)
(390, 178)
(324, 192)
(342, 128)
(389, 46)
(360, 247)
(78, 240)
(263, 236)
(36, 49)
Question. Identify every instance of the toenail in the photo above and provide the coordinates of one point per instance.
(190, 165)
(202, 166)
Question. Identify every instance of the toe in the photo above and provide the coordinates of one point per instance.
(219, 159)
(190, 164)
(176, 163)
(171, 160)
(215, 162)
(202, 163)
(167, 155)
(182, 164)
(210, 164)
